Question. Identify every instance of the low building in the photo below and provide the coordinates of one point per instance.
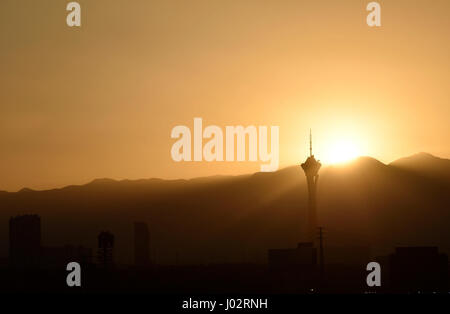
(304, 256)
(414, 269)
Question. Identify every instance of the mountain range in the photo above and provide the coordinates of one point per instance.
(237, 218)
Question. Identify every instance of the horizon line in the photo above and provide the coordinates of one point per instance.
(326, 165)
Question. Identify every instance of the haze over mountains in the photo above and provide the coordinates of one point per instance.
(237, 218)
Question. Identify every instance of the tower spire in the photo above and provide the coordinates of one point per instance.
(310, 142)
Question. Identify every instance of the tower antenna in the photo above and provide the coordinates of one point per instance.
(310, 143)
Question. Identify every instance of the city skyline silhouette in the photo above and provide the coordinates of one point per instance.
(186, 244)
(198, 147)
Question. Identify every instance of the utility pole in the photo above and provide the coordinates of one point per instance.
(321, 259)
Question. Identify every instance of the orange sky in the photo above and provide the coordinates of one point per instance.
(101, 101)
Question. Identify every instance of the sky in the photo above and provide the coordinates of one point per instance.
(101, 100)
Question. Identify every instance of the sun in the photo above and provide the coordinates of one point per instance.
(341, 151)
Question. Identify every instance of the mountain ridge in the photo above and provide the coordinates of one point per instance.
(361, 160)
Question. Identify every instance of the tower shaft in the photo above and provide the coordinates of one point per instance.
(312, 207)
(311, 168)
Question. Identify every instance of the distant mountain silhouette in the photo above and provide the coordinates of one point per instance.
(25, 190)
(237, 218)
(426, 165)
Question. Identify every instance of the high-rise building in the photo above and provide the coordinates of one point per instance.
(141, 244)
(311, 168)
(105, 249)
(25, 241)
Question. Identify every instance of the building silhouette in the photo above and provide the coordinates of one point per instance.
(305, 256)
(27, 251)
(25, 241)
(141, 244)
(105, 249)
(311, 168)
(415, 269)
